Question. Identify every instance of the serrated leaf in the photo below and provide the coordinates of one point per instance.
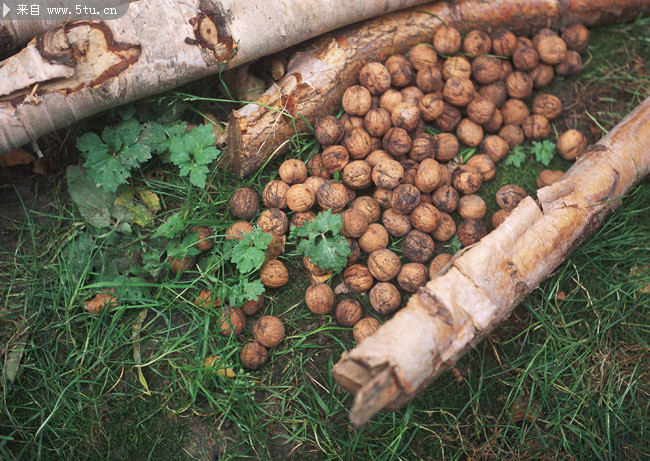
(90, 142)
(330, 254)
(128, 132)
(544, 151)
(171, 227)
(516, 158)
(204, 135)
(93, 205)
(244, 291)
(250, 252)
(198, 174)
(323, 244)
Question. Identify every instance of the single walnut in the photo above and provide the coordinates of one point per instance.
(445, 146)
(429, 79)
(405, 115)
(445, 198)
(244, 203)
(253, 306)
(504, 42)
(328, 130)
(397, 142)
(348, 312)
(551, 50)
(484, 164)
(253, 355)
(377, 122)
(570, 65)
(458, 66)
(332, 195)
(519, 85)
(364, 328)
(422, 148)
(495, 147)
(509, 196)
(571, 144)
(300, 198)
(355, 250)
(547, 105)
(506, 69)
(512, 134)
(542, 75)
(405, 198)
(375, 77)
(458, 91)
(429, 175)
(438, 263)
(541, 34)
(471, 207)
(357, 174)
(300, 218)
(397, 224)
(376, 156)
(411, 94)
(412, 276)
(389, 99)
(470, 231)
(476, 42)
(536, 127)
(356, 100)
(466, 180)
(268, 331)
(293, 171)
(385, 298)
(400, 69)
(237, 230)
(418, 130)
(480, 110)
(357, 142)
(495, 123)
(445, 229)
(274, 221)
(524, 41)
(387, 174)
(384, 264)
(316, 168)
(368, 206)
(424, 217)
(486, 69)
(357, 278)
(514, 112)
(576, 37)
(313, 268)
(469, 133)
(375, 238)
(274, 274)
(354, 223)
(431, 106)
(383, 196)
(418, 246)
(447, 40)
(495, 92)
(422, 55)
(350, 122)
(548, 177)
(499, 217)
(525, 58)
(319, 298)
(334, 158)
(410, 170)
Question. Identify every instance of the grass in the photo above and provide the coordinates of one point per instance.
(565, 377)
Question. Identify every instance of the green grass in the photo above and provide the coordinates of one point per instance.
(565, 377)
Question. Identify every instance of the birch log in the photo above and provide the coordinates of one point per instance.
(14, 34)
(83, 67)
(317, 76)
(481, 286)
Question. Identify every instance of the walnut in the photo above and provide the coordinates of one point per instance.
(445, 198)
(495, 123)
(274, 274)
(480, 110)
(519, 85)
(509, 196)
(429, 175)
(571, 144)
(438, 263)
(542, 75)
(536, 127)
(356, 100)
(253, 355)
(484, 164)
(357, 174)
(551, 50)
(412, 276)
(471, 207)
(458, 91)
(410, 170)
(377, 156)
(499, 217)
(368, 206)
(300, 218)
(332, 195)
(357, 142)
(397, 142)
(293, 171)
(383, 196)
(411, 94)
(405, 198)
(495, 92)
(542, 33)
(506, 69)
(445, 146)
(431, 106)
(244, 203)
(268, 331)
(319, 298)
(405, 115)
(350, 122)
(547, 105)
(400, 69)
(275, 194)
(384, 264)
(418, 246)
(495, 147)
(348, 312)
(446, 40)
(397, 224)
(445, 229)
(424, 217)
(377, 122)
(422, 55)
(274, 221)
(548, 177)
(449, 119)
(470, 231)
(458, 66)
(314, 182)
(466, 180)
(504, 42)
(514, 112)
(316, 168)
(357, 278)
(355, 250)
(375, 238)
(476, 42)
(300, 197)
(387, 174)
(486, 69)
(469, 133)
(429, 79)
(385, 298)
(524, 41)
(354, 223)
(334, 158)
(253, 306)
(525, 58)
(237, 230)
(576, 37)
(313, 268)
(364, 328)
(512, 134)
(328, 130)
(570, 65)
(390, 99)
(375, 77)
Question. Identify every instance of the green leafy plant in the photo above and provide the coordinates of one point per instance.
(249, 252)
(193, 152)
(544, 151)
(517, 157)
(323, 244)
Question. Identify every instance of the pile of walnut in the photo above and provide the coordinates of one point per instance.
(394, 179)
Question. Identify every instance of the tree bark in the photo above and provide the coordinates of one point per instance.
(14, 34)
(483, 284)
(83, 67)
(318, 75)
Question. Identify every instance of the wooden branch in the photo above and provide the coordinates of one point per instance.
(318, 75)
(83, 67)
(457, 309)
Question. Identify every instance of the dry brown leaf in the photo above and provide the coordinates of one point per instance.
(206, 299)
(101, 300)
(16, 157)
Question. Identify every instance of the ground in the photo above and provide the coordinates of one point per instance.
(565, 376)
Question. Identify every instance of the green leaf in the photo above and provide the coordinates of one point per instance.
(249, 253)
(93, 205)
(90, 142)
(198, 174)
(516, 158)
(204, 136)
(323, 244)
(544, 151)
(244, 291)
(174, 224)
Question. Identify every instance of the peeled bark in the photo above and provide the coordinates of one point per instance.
(83, 67)
(483, 284)
(317, 76)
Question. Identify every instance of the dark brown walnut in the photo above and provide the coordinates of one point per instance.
(355, 250)
(438, 263)
(447, 40)
(350, 122)
(458, 91)
(368, 206)
(274, 221)
(397, 142)
(316, 168)
(275, 194)
(445, 198)
(418, 246)
(498, 217)
(397, 224)
(385, 298)
(364, 328)
(376, 144)
(525, 58)
(390, 99)
(237, 230)
(354, 223)
(470, 231)
(429, 175)
(356, 100)
(509, 196)
(357, 142)
(480, 110)
(424, 217)
(506, 69)
(411, 94)
(422, 55)
(401, 70)
(445, 229)
(387, 174)
(334, 158)
(313, 268)
(570, 65)
(576, 37)
(495, 123)
(357, 174)
(429, 79)
(357, 278)
(405, 115)
(466, 180)
(504, 42)
(231, 321)
(410, 170)
(449, 119)
(536, 127)
(383, 196)
(328, 130)
(514, 112)
(300, 218)
(476, 42)
(268, 331)
(426, 198)
(541, 34)
(314, 182)
(423, 147)
(486, 69)
(253, 306)
(519, 85)
(495, 147)
(377, 122)
(375, 238)
(469, 133)
(348, 312)
(332, 195)
(542, 75)
(571, 144)
(293, 171)
(471, 207)
(253, 355)
(412, 276)
(375, 77)
(244, 203)
(376, 156)
(319, 298)
(548, 177)
(547, 105)
(445, 146)
(551, 50)
(483, 164)
(512, 134)
(495, 92)
(457, 66)
(405, 198)
(300, 198)
(384, 264)
(431, 106)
